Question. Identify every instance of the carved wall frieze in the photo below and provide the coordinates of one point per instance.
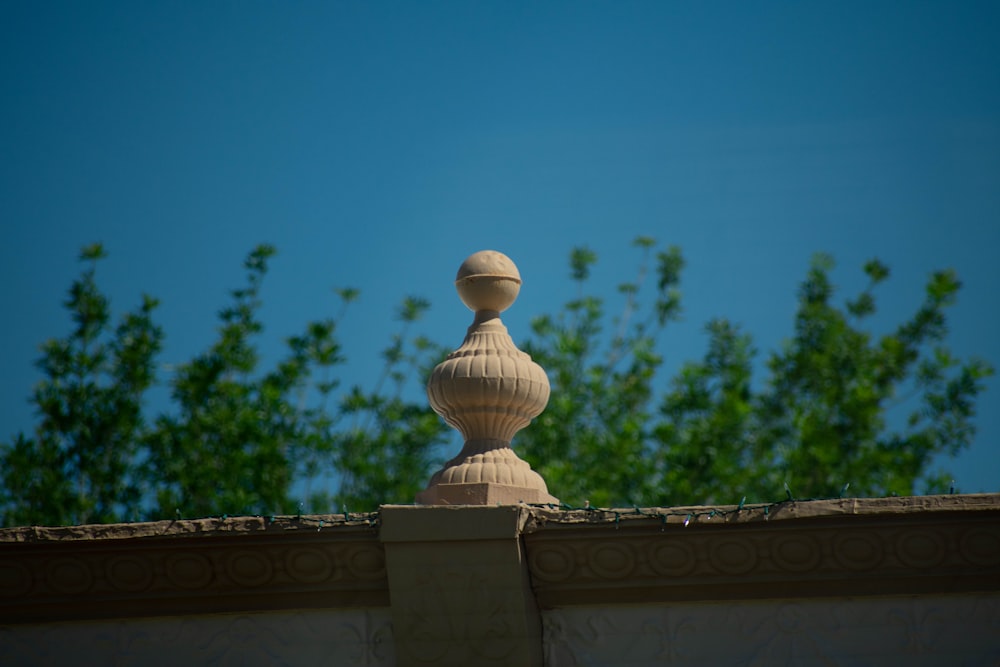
(871, 555)
(847, 581)
(180, 574)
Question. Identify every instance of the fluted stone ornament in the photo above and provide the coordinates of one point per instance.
(488, 390)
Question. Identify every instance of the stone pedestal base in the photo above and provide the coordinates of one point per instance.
(461, 593)
(482, 493)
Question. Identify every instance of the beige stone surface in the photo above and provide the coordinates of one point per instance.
(844, 581)
(794, 549)
(292, 638)
(488, 390)
(488, 281)
(483, 493)
(191, 567)
(461, 594)
(911, 631)
(205, 527)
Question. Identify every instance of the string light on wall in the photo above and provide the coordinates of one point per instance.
(286, 521)
(561, 512)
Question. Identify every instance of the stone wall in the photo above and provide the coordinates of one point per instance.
(911, 581)
(299, 638)
(916, 631)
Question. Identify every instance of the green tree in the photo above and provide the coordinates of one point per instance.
(837, 405)
(239, 437)
(826, 415)
(236, 436)
(233, 440)
(386, 452)
(704, 445)
(81, 464)
(591, 442)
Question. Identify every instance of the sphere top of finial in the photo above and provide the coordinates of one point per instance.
(488, 280)
(488, 263)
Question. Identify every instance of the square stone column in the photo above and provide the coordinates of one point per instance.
(459, 586)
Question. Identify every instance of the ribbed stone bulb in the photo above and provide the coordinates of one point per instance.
(488, 390)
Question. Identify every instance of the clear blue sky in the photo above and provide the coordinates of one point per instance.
(378, 144)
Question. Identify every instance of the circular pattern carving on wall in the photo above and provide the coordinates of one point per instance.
(796, 554)
(15, 579)
(612, 561)
(672, 558)
(733, 556)
(307, 565)
(981, 546)
(187, 570)
(249, 568)
(69, 575)
(552, 563)
(921, 549)
(129, 573)
(366, 562)
(858, 551)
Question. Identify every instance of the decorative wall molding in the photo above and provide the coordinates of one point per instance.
(286, 565)
(848, 581)
(645, 559)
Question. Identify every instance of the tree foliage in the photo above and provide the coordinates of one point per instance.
(592, 440)
(79, 466)
(836, 405)
(234, 439)
(237, 436)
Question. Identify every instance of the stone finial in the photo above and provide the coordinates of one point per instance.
(488, 390)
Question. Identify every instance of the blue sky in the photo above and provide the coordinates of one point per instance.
(378, 144)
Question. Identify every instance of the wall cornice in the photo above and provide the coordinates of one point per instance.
(851, 547)
(190, 567)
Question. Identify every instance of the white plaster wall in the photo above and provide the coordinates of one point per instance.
(306, 638)
(912, 631)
